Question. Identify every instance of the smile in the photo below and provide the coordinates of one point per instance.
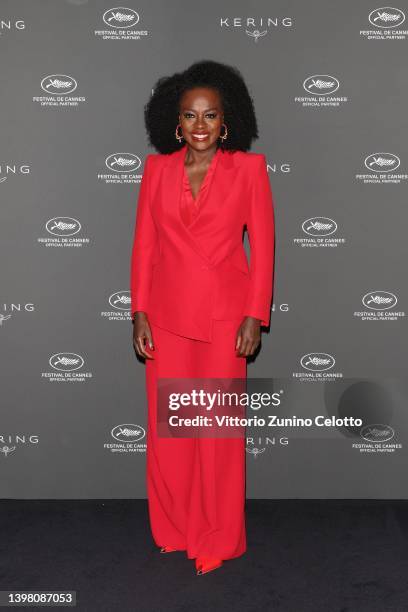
(199, 136)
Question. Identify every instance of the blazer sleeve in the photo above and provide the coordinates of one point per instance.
(261, 230)
(145, 242)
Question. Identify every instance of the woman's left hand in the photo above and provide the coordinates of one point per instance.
(248, 337)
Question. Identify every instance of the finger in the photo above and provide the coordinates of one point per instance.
(238, 341)
(144, 353)
(251, 347)
(244, 347)
(150, 338)
(135, 346)
(139, 347)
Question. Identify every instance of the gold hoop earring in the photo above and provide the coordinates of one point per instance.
(179, 138)
(224, 136)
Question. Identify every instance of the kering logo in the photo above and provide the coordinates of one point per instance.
(66, 362)
(255, 451)
(120, 300)
(59, 84)
(4, 318)
(13, 307)
(12, 169)
(386, 17)
(379, 300)
(9, 25)
(123, 162)
(319, 226)
(120, 17)
(63, 226)
(321, 84)
(317, 362)
(255, 28)
(128, 433)
(15, 440)
(7, 450)
(257, 446)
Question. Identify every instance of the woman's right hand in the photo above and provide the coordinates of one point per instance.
(142, 334)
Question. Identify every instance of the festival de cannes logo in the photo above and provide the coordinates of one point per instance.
(377, 433)
(379, 300)
(317, 362)
(319, 226)
(128, 439)
(321, 92)
(123, 162)
(120, 300)
(121, 22)
(120, 17)
(128, 433)
(386, 17)
(65, 369)
(58, 84)
(62, 233)
(321, 84)
(120, 303)
(382, 162)
(382, 169)
(376, 439)
(318, 232)
(66, 362)
(63, 226)
(379, 306)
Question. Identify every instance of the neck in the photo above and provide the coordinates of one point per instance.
(199, 158)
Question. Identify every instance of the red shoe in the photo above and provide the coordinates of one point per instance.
(167, 549)
(207, 564)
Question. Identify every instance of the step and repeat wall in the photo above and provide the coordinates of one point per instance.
(329, 84)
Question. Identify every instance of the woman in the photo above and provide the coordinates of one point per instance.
(197, 308)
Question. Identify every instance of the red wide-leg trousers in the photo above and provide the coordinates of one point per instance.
(195, 486)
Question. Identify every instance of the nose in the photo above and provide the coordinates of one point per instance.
(200, 122)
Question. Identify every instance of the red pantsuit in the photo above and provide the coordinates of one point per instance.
(196, 486)
(189, 273)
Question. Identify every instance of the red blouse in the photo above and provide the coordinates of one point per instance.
(190, 207)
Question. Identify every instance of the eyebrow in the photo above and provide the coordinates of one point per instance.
(206, 111)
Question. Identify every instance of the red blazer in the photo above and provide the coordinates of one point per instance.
(184, 277)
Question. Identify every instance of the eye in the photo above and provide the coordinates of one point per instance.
(188, 115)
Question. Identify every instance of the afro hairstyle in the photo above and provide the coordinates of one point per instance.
(162, 110)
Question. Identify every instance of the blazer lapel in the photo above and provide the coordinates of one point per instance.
(219, 190)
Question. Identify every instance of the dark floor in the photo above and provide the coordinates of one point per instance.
(317, 555)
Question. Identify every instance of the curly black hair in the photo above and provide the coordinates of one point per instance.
(162, 109)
